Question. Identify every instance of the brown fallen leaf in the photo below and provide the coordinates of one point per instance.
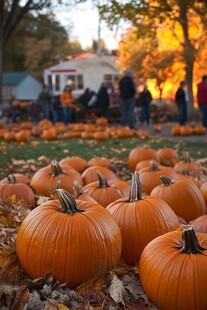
(21, 299)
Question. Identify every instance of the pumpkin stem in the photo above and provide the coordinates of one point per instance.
(154, 166)
(135, 191)
(103, 183)
(56, 170)
(186, 157)
(11, 179)
(77, 189)
(185, 171)
(165, 180)
(68, 202)
(190, 243)
(197, 174)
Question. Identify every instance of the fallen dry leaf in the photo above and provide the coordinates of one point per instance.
(116, 290)
(21, 299)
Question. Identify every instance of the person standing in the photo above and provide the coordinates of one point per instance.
(103, 100)
(145, 98)
(181, 101)
(67, 101)
(127, 93)
(202, 99)
(44, 100)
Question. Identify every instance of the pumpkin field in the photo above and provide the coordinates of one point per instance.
(95, 216)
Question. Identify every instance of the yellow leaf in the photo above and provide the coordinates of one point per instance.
(62, 307)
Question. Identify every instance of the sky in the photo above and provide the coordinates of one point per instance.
(82, 25)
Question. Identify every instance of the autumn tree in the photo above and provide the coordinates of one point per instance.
(159, 66)
(11, 14)
(37, 43)
(149, 15)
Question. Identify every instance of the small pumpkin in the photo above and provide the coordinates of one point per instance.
(44, 181)
(186, 162)
(168, 156)
(140, 153)
(99, 161)
(101, 191)
(173, 270)
(183, 196)
(19, 178)
(150, 177)
(69, 233)
(90, 174)
(12, 192)
(76, 162)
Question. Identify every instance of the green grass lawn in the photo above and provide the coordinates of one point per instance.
(87, 149)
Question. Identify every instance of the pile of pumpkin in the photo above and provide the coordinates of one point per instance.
(181, 130)
(92, 218)
(45, 129)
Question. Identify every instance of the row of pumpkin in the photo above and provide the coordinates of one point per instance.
(99, 131)
(94, 218)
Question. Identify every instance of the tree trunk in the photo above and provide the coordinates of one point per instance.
(189, 81)
(188, 55)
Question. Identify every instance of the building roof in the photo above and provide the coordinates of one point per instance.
(14, 78)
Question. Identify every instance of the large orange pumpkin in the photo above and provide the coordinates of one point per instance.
(75, 241)
(141, 219)
(173, 270)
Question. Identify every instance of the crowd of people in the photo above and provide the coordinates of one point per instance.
(65, 107)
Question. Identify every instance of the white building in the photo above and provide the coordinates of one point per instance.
(87, 70)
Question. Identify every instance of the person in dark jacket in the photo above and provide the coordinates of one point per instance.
(127, 93)
(145, 99)
(44, 100)
(180, 98)
(103, 100)
(202, 99)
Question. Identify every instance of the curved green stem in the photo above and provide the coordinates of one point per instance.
(190, 243)
(77, 189)
(55, 168)
(154, 166)
(68, 203)
(103, 183)
(165, 180)
(11, 179)
(135, 191)
(185, 171)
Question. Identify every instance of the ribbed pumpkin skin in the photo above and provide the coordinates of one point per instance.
(140, 222)
(74, 248)
(104, 196)
(20, 178)
(174, 280)
(140, 153)
(90, 174)
(19, 193)
(45, 183)
(183, 196)
(77, 163)
(150, 179)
